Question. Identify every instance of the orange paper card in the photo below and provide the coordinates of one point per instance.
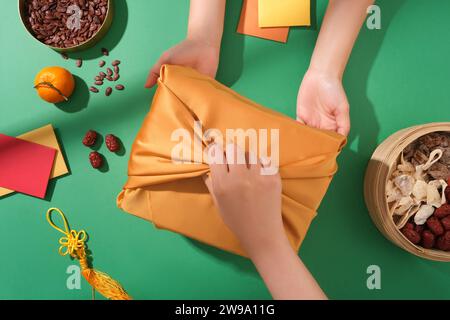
(249, 25)
(44, 136)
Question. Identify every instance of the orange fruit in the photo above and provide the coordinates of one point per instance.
(54, 84)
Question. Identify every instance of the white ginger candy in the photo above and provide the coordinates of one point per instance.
(406, 166)
(404, 219)
(420, 173)
(405, 183)
(434, 197)
(420, 190)
(403, 205)
(410, 194)
(443, 187)
(392, 192)
(423, 214)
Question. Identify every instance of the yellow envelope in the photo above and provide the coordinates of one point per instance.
(284, 13)
(46, 137)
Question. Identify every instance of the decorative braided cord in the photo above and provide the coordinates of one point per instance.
(73, 243)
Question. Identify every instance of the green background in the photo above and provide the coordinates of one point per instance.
(397, 77)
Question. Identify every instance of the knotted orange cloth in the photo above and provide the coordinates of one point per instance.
(174, 197)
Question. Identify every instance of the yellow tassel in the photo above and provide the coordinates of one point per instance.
(73, 243)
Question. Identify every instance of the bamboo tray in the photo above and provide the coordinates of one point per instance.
(381, 165)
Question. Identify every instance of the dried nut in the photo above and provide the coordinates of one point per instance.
(108, 91)
(93, 89)
(50, 20)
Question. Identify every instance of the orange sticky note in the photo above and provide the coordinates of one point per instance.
(44, 136)
(248, 24)
(284, 13)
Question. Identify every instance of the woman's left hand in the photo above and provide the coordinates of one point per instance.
(322, 102)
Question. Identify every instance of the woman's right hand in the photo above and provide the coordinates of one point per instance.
(250, 205)
(248, 201)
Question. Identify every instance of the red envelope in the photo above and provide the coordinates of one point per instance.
(25, 166)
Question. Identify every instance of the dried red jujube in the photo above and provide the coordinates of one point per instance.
(90, 138)
(112, 143)
(96, 159)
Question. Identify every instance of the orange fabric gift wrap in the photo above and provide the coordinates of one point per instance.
(172, 194)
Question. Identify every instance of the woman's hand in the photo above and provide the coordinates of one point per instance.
(249, 202)
(250, 205)
(201, 49)
(192, 53)
(322, 102)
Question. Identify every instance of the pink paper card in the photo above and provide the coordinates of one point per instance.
(25, 166)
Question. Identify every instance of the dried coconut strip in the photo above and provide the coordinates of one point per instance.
(402, 222)
(423, 214)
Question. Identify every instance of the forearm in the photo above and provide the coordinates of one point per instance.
(206, 18)
(284, 273)
(340, 27)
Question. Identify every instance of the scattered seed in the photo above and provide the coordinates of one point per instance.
(120, 87)
(99, 83)
(105, 52)
(101, 63)
(108, 91)
(116, 77)
(109, 78)
(93, 89)
(115, 63)
(98, 78)
(64, 56)
(102, 74)
(109, 72)
(116, 69)
(79, 63)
